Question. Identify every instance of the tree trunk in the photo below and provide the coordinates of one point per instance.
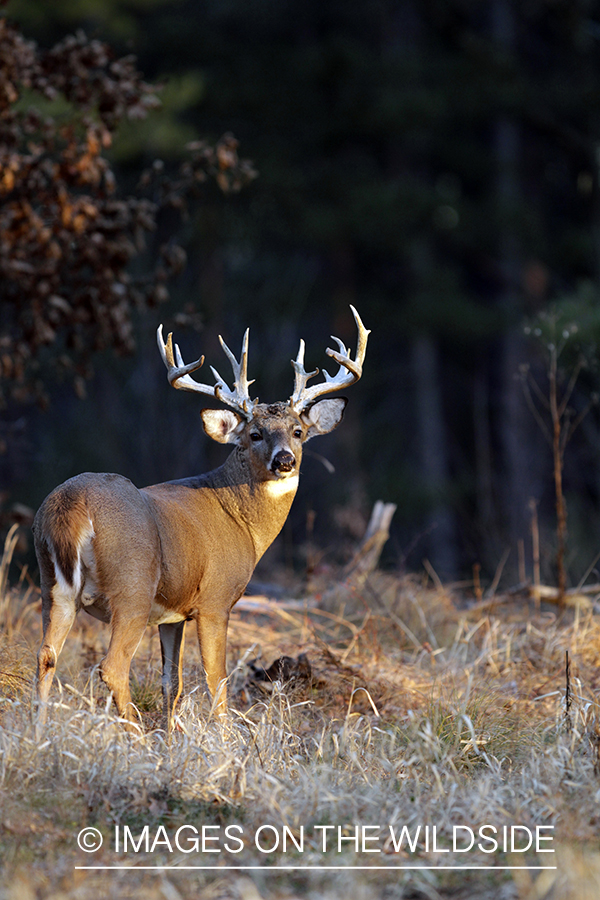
(514, 428)
(433, 454)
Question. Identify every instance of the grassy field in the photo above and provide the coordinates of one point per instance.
(414, 707)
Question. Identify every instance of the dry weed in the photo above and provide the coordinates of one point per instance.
(416, 713)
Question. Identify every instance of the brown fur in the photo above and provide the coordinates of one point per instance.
(170, 552)
(61, 521)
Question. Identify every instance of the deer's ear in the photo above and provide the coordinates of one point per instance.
(222, 425)
(324, 415)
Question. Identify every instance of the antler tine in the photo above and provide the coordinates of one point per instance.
(343, 358)
(178, 374)
(349, 372)
(240, 395)
(301, 376)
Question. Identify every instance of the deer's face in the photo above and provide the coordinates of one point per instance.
(271, 439)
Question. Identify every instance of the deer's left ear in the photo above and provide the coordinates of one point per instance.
(324, 415)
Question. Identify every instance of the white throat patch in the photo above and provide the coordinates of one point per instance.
(280, 486)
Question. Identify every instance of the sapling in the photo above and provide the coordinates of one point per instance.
(551, 408)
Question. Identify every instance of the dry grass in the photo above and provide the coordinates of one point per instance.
(418, 711)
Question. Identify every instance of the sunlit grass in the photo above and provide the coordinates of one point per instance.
(428, 716)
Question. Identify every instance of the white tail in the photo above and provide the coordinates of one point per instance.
(186, 549)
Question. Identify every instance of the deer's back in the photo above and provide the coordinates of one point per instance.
(169, 546)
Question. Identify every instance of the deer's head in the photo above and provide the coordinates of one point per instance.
(269, 437)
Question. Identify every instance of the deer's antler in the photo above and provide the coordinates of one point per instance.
(179, 375)
(349, 372)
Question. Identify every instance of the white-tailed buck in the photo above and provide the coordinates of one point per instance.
(186, 549)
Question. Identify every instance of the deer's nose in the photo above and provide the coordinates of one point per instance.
(283, 461)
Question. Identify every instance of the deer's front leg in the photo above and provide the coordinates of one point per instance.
(171, 647)
(212, 635)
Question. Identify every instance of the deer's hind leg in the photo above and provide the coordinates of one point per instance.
(58, 614)
(127, 630)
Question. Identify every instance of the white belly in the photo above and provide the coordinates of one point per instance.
(160, 615)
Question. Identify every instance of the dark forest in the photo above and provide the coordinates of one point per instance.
(215, 165)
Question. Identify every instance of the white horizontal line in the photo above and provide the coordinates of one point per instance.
(313, 868)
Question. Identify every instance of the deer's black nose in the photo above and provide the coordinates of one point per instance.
(283, 461)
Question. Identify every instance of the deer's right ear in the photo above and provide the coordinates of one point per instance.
(222, 425)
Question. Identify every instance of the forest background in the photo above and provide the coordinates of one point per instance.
(434, 163)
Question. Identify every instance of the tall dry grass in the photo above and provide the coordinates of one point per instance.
(419, 711)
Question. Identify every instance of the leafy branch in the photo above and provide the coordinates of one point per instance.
(67, 237)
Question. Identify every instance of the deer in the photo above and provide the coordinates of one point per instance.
(185, 549)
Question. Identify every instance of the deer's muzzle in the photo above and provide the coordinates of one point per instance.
(283, 461)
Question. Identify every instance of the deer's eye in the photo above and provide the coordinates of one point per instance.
(298, 433)
(255, 436)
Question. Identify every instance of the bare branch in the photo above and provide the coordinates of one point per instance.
(571, 386)
(535, 411)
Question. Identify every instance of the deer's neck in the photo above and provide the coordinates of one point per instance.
(261, 506)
